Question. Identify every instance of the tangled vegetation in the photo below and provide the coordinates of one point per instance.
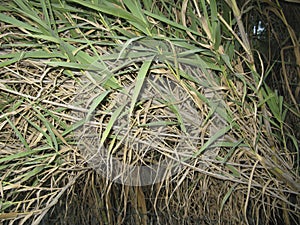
(180, 92)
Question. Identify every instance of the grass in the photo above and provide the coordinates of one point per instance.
(139, 79)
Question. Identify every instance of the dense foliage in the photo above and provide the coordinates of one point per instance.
(213, 89)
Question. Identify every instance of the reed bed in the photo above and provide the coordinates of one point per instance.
(149, 112)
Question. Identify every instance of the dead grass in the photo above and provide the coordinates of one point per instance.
(199, 121)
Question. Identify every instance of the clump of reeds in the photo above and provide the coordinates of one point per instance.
(150, 112)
